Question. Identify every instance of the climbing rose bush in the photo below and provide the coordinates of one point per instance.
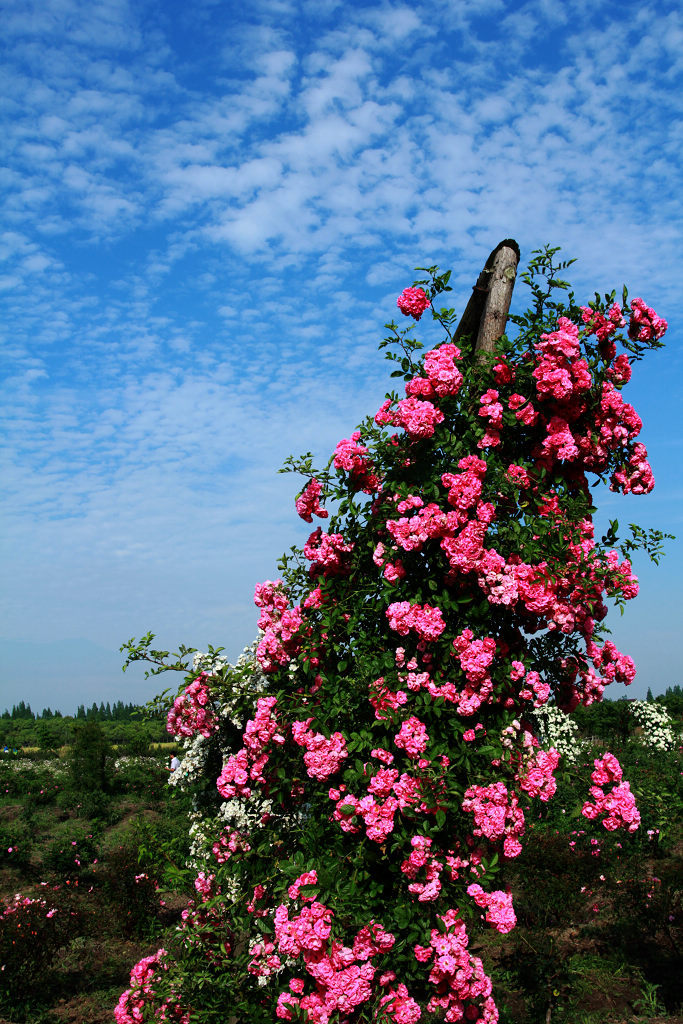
(377, 755)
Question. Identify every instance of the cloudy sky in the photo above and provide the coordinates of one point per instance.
(208, 212)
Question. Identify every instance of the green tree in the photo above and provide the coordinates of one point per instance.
(89, 755)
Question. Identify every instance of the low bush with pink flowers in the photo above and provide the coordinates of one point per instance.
(32, 929)
(380, 768)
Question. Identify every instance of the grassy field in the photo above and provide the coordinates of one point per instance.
(81, 852)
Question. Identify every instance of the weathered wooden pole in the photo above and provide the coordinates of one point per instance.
(486, 312)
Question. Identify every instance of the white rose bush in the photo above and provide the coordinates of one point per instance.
(656, 724)
(363, 776)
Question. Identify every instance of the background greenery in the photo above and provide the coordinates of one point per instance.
(599, 923)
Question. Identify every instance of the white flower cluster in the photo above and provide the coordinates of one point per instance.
(656, 724)
(246, 677)
(239, 687)
(244, 815)
(209, 663)
(128, 760)
(557, 729)
(56, 768)
(202, 836)
(191, 763)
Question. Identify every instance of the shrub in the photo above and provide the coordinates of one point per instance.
(129, 883)
(32, 929)
(71, 855)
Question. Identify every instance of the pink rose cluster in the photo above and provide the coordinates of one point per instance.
(385, 700)
(635, 476)
(413, 302)
(604, 327)
(424, 620)
(443, 376)
(328, 553)
(247, 764)
(570, 601)
(308, 502)
(342, 976)
(491, 410)
(399, 1004)
(645, 324)
(497, 815)
(562, 382)
(537, 777)
(418, 418)
(228, 844)
(498, 906)
(475, 657)
(280, 624)
(412, 737)
(422, 857)
(388, 792)
(463, 989)
(352, 457)
(192, 713)
(618, 805)
(411, 532)
(324, 755)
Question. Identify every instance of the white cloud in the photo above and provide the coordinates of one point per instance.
(207, 223)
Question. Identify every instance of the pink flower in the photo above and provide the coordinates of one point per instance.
(424, 620)
(645, 324)
(442, 373)
(418, 418)
(308, 503)
(308, 878)
(192, 713)
(323, 756)
(413, 302)
(498, 905)
(537, 777)
(351, 456)
(412, 737)
(329, 554)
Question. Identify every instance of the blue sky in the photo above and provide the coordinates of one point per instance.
(209, 210)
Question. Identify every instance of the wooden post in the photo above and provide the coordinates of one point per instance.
(486, 312)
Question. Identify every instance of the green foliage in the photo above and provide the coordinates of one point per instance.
(16, 842)
(128, 883)
(163, 846)
(72, 854)
(142, 650)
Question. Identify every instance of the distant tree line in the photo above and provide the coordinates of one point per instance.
(127, 725)
(117, 712)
